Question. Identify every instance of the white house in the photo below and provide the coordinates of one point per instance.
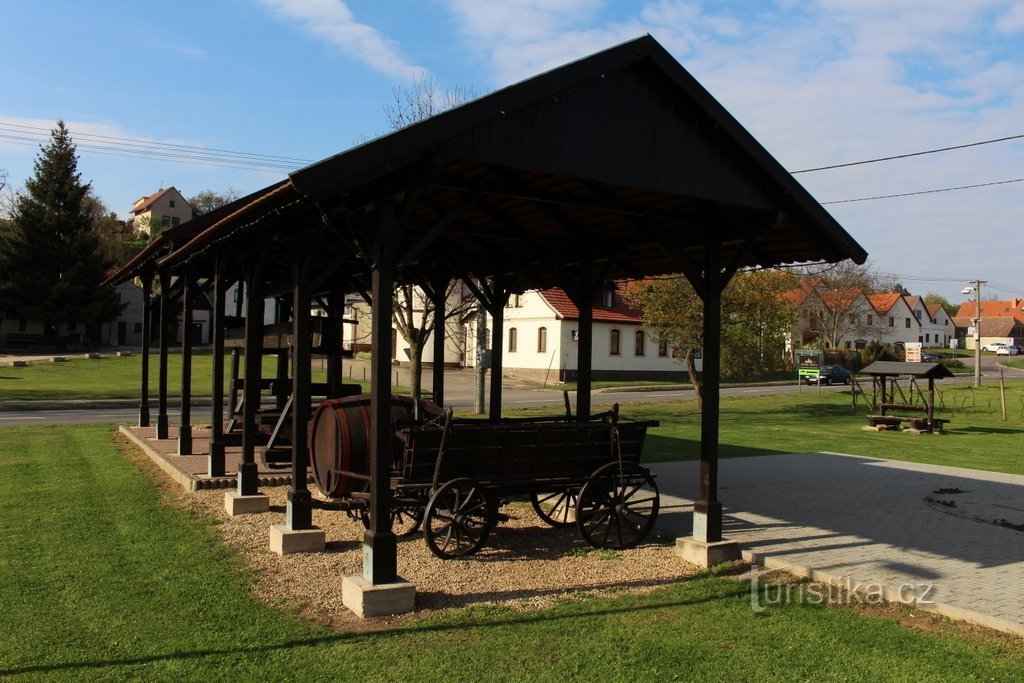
(167, 206)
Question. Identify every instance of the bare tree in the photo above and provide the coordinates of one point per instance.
(413, 311)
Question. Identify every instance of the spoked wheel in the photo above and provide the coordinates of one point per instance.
(557, 508)
(617, 506)
(405, 519)
(458, 519)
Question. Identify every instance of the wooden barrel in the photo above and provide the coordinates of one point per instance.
(339, 446)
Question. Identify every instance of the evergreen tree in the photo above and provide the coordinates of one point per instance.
(53, 267)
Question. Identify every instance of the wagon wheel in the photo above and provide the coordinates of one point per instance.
(458, 519)
(405, 519)
(617, 506)
(557, 508)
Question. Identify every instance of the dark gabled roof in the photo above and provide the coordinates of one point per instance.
(889, 367)
(621, 160)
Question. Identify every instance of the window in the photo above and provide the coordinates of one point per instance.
(871, 320)
(662, 348)
(892, 322)
(175, 220)
(165, 221)
(927, 337)
(638, 343)
(172, 203)
(853, 319)
(607, 298)
(613, 342)
(908, 322)
(542, 340)
(917, 314)
(515, 301)
(513, 339)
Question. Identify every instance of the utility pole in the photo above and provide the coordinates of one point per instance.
(977, 327)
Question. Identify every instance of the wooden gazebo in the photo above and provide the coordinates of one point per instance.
(619, 165)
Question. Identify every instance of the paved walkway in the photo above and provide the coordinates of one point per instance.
(849, 519)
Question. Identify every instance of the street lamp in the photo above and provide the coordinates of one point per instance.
(976, 289)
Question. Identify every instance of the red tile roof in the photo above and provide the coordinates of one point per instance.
(883, 302)
(993, 309)
(566, 309)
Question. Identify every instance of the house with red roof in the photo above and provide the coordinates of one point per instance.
(1001, 321)
(542, 334)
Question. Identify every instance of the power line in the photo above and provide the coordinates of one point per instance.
(911, 194)
(911, 154)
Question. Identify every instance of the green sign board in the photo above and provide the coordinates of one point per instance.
(808, 362)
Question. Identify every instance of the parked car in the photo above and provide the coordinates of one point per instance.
(929, 358)
(1009, 350)
(831, 374)
(994, 346)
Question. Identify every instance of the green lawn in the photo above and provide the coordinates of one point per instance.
(976, 436)
(115, 377)
(100, 581)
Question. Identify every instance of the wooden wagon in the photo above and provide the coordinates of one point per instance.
(452, 476)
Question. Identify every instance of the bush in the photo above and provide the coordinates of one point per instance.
(876, 350)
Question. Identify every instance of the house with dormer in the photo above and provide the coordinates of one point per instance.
(166, 208)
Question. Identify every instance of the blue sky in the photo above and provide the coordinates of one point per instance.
(816, 82)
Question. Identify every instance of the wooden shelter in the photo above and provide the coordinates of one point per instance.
(884, 375)
(619, 165)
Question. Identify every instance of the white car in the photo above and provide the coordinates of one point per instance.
(1007, 351)
(994, 346)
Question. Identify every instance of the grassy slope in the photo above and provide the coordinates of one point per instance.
(100, 581)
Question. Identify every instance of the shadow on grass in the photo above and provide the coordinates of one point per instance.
(659, 448)
(984, 430)
(473, 620)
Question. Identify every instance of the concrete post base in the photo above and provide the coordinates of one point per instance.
(367, 600)
(237, 504)
(285, 541)
(705, 554)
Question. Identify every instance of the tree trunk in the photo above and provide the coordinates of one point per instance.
(698, 388)
(416, 368)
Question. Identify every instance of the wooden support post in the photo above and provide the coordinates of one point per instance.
(584, 356)
(248, 479)
(215, 460)
(185, 426)
(162, 425)
(1002, 392)
(147, 331)
(496, 307)
(300, 507)
(437, 377)
(334, 339)
(380, 549)
(931, 404)
(236, 353)
(707, 510)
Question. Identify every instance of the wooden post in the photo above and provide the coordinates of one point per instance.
(496, 307)
(1002, 392)
(585, 353)
(707, 510)
(248, 473)
(380, 549)
(147, 331)
(162, 426)
(437, 377)
(931, 404)
(215, 460)
(185, 427)
(236, 353)
(300, 508)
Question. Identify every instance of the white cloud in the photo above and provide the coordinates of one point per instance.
(828, 82)
(333, 22)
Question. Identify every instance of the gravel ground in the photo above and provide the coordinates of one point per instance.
(525, 563)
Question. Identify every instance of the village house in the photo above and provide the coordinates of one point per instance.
(166, 208)
(1001, 321)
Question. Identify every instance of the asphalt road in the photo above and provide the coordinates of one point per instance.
(460, 396)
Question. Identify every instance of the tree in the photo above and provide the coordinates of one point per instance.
(413, 312)
(53, 266)
(205, 201)
(931, 299)
(837, 305)
(118, 239)
(755, 320)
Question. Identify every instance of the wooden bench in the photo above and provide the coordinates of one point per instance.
(916, 422)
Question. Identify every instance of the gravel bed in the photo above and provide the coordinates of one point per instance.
(525, 563)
